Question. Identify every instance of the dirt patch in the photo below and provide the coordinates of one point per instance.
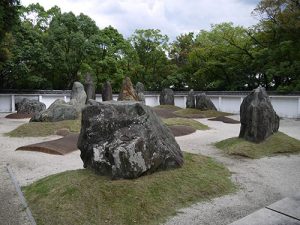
(18, 116)
(60, 146)
(180, 130)
(225, 119)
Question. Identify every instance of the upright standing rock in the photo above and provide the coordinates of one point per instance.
(190, 100)
(166, 97)
(78, 95)
(89, 87)
(127, 92)
(126, 140)
(139, 88)
(258, 118)
(204, 103)
(106, 92)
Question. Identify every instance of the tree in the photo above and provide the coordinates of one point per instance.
(151, 47)
(277, 41)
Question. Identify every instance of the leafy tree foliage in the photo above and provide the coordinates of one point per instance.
(50, 50)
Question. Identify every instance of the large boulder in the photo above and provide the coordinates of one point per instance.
(204, 103)
(78, 95)
(140, 88)
(106, 92)
(89, 87)
(127, 92)
(30, 106)
(126, 140)
(190, 100)
(166, 97)
(57, 111)
(258, 118)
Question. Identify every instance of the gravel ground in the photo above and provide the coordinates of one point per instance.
(261, 181)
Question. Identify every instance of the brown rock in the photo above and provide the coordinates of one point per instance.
(127, 92)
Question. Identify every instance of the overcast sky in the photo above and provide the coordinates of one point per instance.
(172, 17)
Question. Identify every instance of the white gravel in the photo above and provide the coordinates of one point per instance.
(261, 182)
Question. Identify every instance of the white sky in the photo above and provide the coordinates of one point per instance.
(172, 17)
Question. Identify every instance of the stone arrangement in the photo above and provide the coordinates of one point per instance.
(125, 139)
(60, 110)
(140, 89)
(204, 103)
(107, 91)
(166, 97)
(190, 100)
(29, 106)
(127, 92)
(89, 87)
(258, 118)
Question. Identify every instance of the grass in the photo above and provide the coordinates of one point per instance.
(206, 113)
(185, 122)
(42, 129)
(277, 143)
(82, 197)
(170, 107)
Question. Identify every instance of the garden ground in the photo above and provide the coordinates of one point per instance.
(261, 181)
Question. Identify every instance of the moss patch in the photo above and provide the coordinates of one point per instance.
(82, 197)
(42, 129)
(196, 113)
(185, 122)
(277, 143)
(169, 107)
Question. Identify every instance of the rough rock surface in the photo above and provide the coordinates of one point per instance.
(126, 140)
(258, 118)
(190, 100)
(89, 87)
(57, 111)
(78, 95)
(166, 97)
(204, 103)
(127, 92)
(140, 88)
(106, 92)
(28, 106)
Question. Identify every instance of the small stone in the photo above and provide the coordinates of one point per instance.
(139, 87)
(28, 106)
(89, 87)
(78, 95)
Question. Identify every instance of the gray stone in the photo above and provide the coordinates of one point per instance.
(166, 97)
(190, 100)
(126, 140)
(57, 111)
(89, 87)
(139, 88)
(127, 92)
(258, 118)
(78, 95)
(204, 103)
(106, 92)
(29, 106)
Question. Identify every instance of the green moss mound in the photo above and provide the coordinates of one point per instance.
(82, 197)
(277, 143)
(185, 122)
(196, 113)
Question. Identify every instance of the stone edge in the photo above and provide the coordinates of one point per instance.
(20, 194)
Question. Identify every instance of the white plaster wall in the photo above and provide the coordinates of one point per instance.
(285, 106)
(5, 103)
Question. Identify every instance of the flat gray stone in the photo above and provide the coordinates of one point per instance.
(12, 212)
(288, 206)
(266, 217)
